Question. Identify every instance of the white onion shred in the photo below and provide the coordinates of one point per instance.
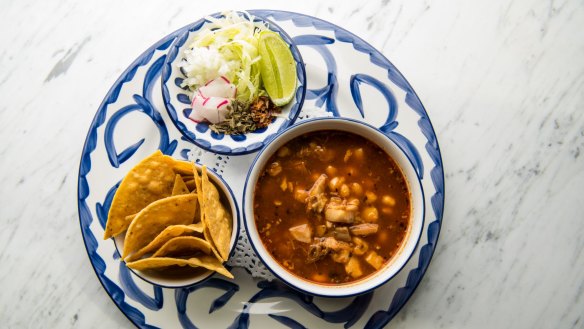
(226, 47)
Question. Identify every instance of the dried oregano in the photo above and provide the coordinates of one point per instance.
(241, 119)
(238, 120)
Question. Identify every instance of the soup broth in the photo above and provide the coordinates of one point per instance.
(332, 207)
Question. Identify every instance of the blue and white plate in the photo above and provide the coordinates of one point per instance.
(345, 77)
(178, 99)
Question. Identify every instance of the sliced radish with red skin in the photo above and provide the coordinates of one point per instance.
(195, 114)
(214, 109)
(211, 101)
(220, 87)
(225, 102)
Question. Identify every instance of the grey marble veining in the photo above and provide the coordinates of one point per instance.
(503, 83)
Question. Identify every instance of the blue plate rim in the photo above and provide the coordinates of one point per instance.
(143, 59)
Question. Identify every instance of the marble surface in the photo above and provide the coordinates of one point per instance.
(503, 83)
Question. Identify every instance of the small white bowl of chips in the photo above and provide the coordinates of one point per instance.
(174, 223)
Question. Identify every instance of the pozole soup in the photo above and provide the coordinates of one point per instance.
(332, 207)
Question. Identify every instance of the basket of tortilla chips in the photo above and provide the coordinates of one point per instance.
(174, 222)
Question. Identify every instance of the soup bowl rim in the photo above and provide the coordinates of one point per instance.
(359, 286)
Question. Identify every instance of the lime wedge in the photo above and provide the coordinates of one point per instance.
(277, 68)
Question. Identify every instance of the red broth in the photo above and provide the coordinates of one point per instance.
(332, 207)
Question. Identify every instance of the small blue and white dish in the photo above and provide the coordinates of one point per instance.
(177, 99)
(190, 278)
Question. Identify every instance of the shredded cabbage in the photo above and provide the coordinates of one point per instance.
(226, 47)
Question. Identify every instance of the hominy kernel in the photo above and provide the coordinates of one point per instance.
(388, 200)
(371, 197)
(330, 171)
(370, 214)
(357, 189)
(345, 191)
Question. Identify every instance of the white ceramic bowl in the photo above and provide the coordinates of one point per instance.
(194, 277)
(178, 100)
(417, 208)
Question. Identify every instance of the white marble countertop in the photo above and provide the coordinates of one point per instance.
(503, 83)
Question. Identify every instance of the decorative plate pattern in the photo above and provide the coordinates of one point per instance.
(177, 100)
(346, 77)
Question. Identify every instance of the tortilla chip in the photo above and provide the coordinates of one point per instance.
(206, 232)
(168, 233)
(208, 262)
(178, 189)
(183, 246)
(153, 219)
(179, 186)
(130, 218)
(191, 184)
(183, 167)
(148, 181)
(198, 188)
(217, 218)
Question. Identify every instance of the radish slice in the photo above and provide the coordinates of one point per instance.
(220, 87)
(214, 109)
(212, 100)
(195, 104)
